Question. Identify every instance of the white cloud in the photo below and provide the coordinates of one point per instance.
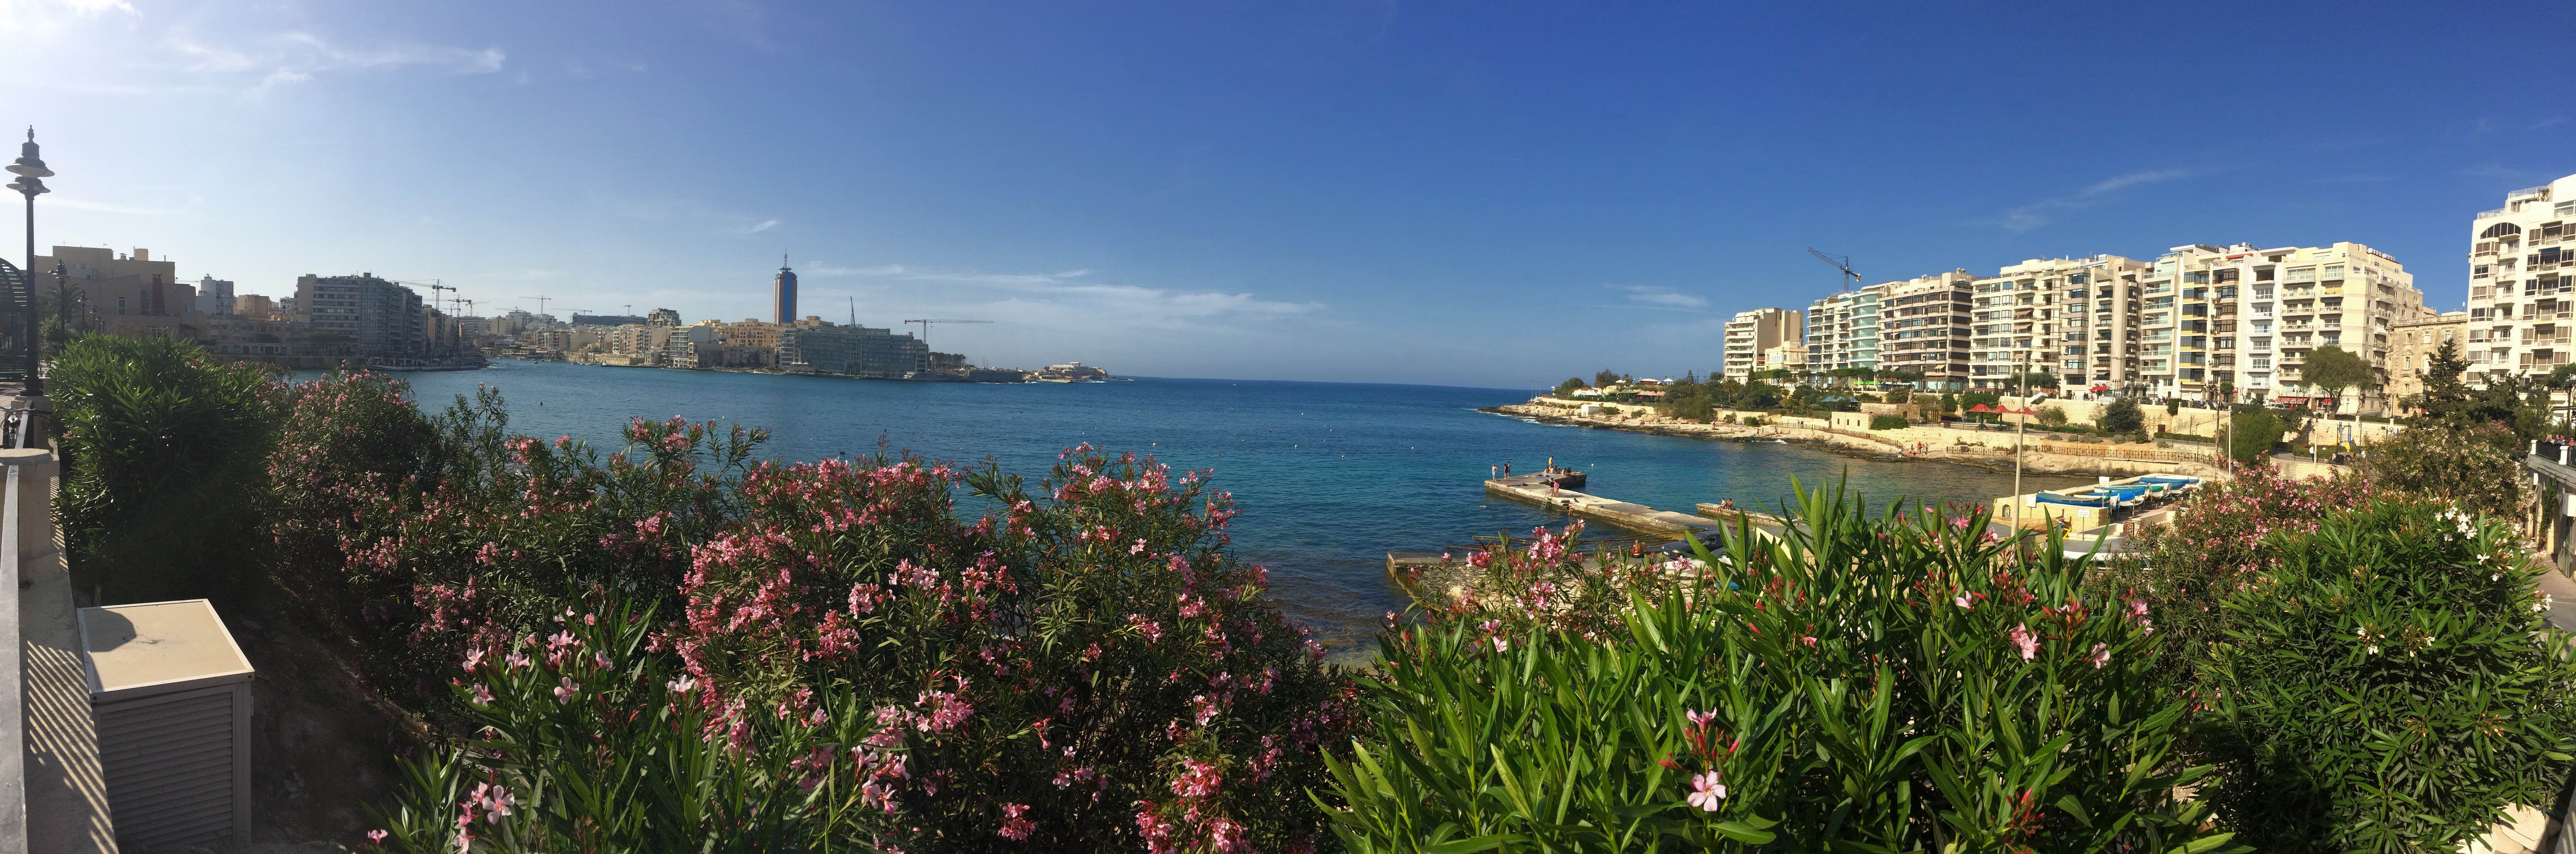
(2136, 178)
(1658, 296)
(100, 207)
(35, 16)
(1072, 299)
(2036, 214)
(761, 226)
(298, 57)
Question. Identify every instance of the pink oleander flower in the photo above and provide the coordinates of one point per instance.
(568, 690)
(2101, 655)
(1963, 601)
(482, 694)
(684, 684)
(1700, 718)
(1199, 781)
(1014, 827)
(2021, 637)
(1707, 792)
(473, 659)
(517, 660)
(377, 836)
(495, 801)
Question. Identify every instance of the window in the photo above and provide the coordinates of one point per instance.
(120, 305)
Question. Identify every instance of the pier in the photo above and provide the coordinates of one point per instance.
(1548, 489)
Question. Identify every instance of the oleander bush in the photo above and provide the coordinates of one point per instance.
(2389, 683)
(1086, 666)
(1892, 683)
(2479, 465)
(162, 488)
(2218, 539)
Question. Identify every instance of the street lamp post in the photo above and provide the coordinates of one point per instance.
(31, 173)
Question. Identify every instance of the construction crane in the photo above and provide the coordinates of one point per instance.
(1839, 262)
(925, 328)
(541, 302)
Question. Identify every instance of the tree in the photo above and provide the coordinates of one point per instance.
(2052, 416)
(2121, 417)
(2334, 369)
(2251, 432)
(1605, 378)
(1949, 404)
(1570, 385)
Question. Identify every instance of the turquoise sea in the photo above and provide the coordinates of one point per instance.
(1329, 476)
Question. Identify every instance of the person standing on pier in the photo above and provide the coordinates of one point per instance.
(1492, 472)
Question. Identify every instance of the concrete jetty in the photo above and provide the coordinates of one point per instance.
(1548, 490)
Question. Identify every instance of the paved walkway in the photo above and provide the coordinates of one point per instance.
(2563, 615)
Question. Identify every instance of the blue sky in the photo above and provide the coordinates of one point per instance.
(1457, 193)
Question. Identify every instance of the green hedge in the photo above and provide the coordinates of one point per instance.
(1888, 422)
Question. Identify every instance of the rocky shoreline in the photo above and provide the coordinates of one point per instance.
(2034, 460)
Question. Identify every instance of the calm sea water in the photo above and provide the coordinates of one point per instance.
(1329, 476)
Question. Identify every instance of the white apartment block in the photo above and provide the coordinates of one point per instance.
(2522, 282)
(1842, 332)
(2237, 322)
(1924, 326)
(2075, 318)
(1752, 333)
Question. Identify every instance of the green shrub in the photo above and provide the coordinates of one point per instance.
(2479, 466)
(2122, 416)
(2251, 432)
(1865, 684)
(1888, 422)
(2052, 415)
(164, 482)
(2391, 684)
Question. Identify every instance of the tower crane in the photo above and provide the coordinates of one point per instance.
(1839, 262)
(925, 328)
(541, 302)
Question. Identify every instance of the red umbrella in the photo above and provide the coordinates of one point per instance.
(1979, 408)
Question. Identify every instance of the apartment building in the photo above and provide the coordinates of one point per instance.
(2522, 282)
(858, 351)
(120, 284)
(2073, 318)
(1924, 328)
(381, 318)
(1842, 332)
(2237, 322)
(1754, 332)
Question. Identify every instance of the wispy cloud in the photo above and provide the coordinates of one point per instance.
(2552, 121)
(1660, 296)
(761, 226)
(294, 56)
(523, 274)
(36, 16)
(104, 207)
(2039, 213)
(1077, 295)
(2494, 171)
